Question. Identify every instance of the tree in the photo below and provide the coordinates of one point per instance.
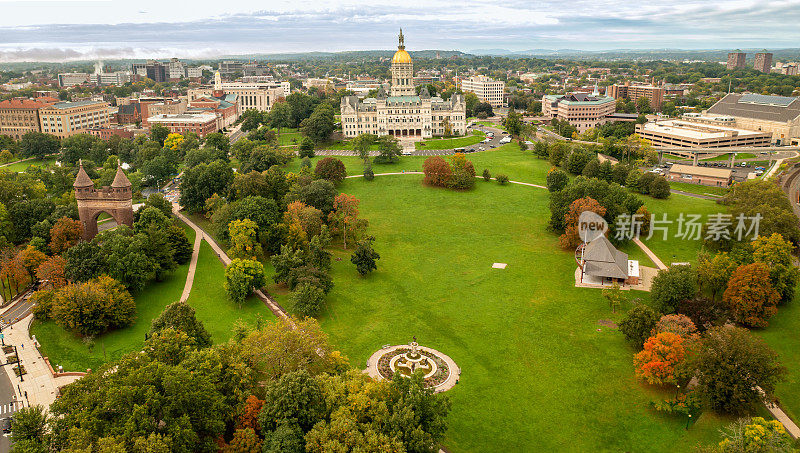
(364, 256)
(613, 296)
(204, 180)
(307, 299)
(487, 176)
(659, 188)
(732, 365)
(93, 307)
(678, 324)
(331, 169)
(158, 170)
(638, 323)
(673, 285)
(571, 237)
(126, 257)
(766, 199)
(301, 222)
(158, 134)
(219, 141)
(361, 144)
(756, 435)
(30, 259)
(319, 194)
(750, 296)
(714, 271)
(244, 240)
(319, 126)
(30, 424)
(51, 271)
(776, 253)
(179, 244)
(249, 413)
(244, 441)
(437, 171)
(501, 179)
(643, 105)
(65, 233)
(485, 108)
(463, 172)
(661, 355)
(38, 145)
(180, 316)
(557, 179)
(306, 148)
(344, 218)
(173, 141)
(242, 277)
(513, 123)
(369, 175)
(83, 262)
(389, 150)
(284, 262)
(576, 161)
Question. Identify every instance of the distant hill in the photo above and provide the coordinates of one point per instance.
(637, 54)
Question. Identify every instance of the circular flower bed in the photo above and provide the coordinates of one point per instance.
(439, 377)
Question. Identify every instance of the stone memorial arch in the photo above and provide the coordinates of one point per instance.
(116, 201)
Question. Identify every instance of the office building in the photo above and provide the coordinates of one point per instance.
(64, 119)
(19, 116)
(201, 124)
(582, 110)
(655, 94)
(487, 89)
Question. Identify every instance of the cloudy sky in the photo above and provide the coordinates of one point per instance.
(58, 30)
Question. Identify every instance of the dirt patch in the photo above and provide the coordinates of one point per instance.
(607, 323)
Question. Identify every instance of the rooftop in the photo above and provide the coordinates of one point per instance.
(758, 107)
(183, 117)
(689, 129)
(701, 171)
(68, 105)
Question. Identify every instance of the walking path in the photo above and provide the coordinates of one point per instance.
(198, 241)
(40, 384)
(649, 253)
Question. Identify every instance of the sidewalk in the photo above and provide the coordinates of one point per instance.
(40, 383)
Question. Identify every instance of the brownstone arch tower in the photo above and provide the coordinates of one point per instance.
(116, 200)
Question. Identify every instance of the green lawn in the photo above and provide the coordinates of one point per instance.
(727, 157)
(451, 143)
(70, 351)
(782, 336)
(22, 166)
(289, 138)
(538, 372)
(218, 314)
(698, 189)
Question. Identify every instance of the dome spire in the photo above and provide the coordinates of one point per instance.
(401, 40)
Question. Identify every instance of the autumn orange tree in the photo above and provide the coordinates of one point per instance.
(463, 176)
(571, 239)
(249, 413)
(656, 363)
(29, 259)
(750, 297)
(344, 218)
(51, 271)
(437, 171)
(64, 234)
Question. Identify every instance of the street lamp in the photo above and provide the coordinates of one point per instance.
(19, 367)
(688, 419)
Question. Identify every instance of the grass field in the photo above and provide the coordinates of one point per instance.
(451, 143)
(22, 166)
(70, 351)
(698, 189)
(782, 336)
(538, 371)
(218, 314)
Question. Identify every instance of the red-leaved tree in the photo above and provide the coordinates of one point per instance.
(64, 234)
(571, 239)
(437, 171)
(662, 353)
(750, 297)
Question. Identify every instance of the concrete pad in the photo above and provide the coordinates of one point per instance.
(499, 265)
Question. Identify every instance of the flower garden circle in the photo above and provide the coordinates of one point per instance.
(440, 372)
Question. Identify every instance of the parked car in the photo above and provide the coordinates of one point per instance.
(6, 423)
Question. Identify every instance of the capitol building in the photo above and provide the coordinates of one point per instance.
(403, 113)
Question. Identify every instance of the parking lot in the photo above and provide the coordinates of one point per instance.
(739, 172)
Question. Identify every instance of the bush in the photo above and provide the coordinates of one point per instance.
(369, 175)
(437, 171)
(463, 173)
(486, 175)
(93, 307)
(502, 179)
(638, 323)
(331, 169)
(659, 188)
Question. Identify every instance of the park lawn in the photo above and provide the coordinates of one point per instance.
(70, 351)
(698, 188)
(510, 160)
(451, 143)
(346, 146)
(355, 166)
(22, 166)
(538, 371)
(289, 138)
(491, 124)
(676, 249)
(211, 305)
(782, 336)
(727, 157)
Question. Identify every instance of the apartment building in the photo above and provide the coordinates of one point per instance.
(736, 60)
(20, 116)
(487, 89)
(763, 62)
(64, 119)
(201, 124)
(655, 94)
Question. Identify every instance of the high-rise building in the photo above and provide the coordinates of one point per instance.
(487, 89)
(763, 62)
(736, 60)
(152, 69)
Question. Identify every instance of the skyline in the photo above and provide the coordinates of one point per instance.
(67, 30)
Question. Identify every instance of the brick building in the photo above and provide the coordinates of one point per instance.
(736, 60)
(654, 94)
(201, 124)
(19, 116)
(64, 119)
(763, 62)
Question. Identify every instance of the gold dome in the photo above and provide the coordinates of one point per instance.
(401, 56)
